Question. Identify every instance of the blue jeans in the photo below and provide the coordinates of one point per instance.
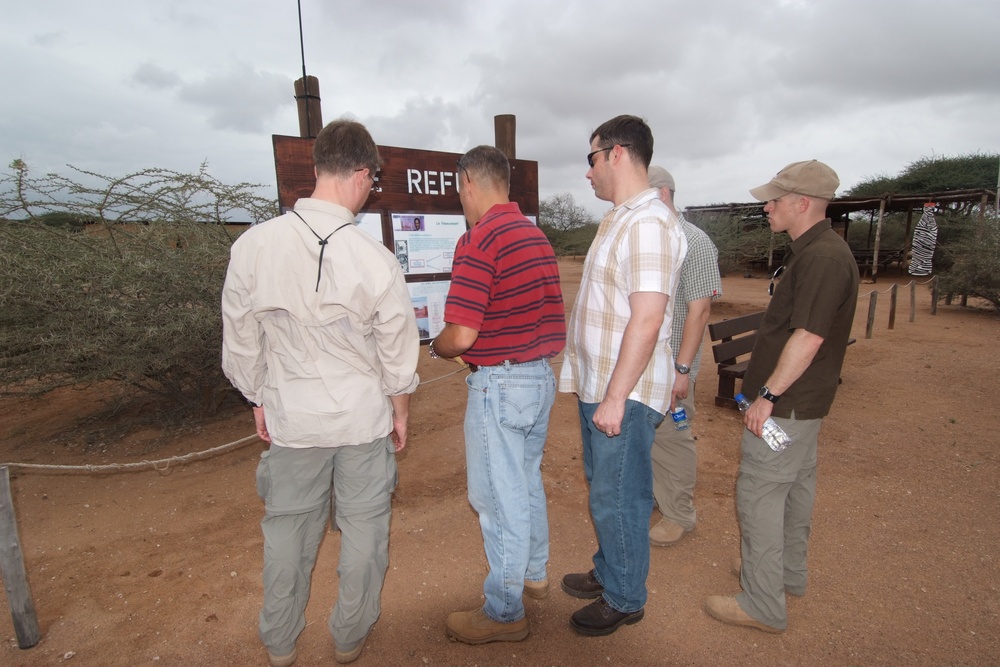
(506, 422)
(620, 473)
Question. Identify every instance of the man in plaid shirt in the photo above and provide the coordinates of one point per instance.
(618, 363)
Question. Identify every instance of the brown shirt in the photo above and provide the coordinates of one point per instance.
(818, 292)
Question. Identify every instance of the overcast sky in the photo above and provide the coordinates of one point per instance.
(733, 90)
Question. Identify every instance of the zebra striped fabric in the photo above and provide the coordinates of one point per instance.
(924, 241)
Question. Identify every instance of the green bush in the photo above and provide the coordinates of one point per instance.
(969, 262)
(133, 300)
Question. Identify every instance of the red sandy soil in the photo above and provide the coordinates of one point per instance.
(163, 567)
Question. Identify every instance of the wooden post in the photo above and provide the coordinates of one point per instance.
(878, 239)
(934, 295)
(913, 300)
(15, 579)
(892, 306)
(308, 103)
(505, 132)
(871, 314)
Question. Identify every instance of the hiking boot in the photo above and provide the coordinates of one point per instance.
(725, 608)
(282, 660)
(736, 567)
(666, 533)
(344, 657)
(599, 618)
(475, 627)
(583, 585)
(536, 589)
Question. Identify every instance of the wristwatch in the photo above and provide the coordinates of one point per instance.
(430, 351)
(766, 394)
(683, 369)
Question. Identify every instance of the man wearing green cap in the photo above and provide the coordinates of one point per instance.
(793, 374)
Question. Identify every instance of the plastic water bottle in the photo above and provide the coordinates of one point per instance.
(680, 417)
(772, 434)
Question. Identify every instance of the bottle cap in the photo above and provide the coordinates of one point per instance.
(740, 397)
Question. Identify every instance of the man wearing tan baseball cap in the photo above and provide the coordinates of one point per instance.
(792, 377)
(810, 177)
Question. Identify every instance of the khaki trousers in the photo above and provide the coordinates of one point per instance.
(295, 486)
(675, 464)
(775, 492)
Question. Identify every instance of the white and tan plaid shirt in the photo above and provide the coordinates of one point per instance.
(639, 247)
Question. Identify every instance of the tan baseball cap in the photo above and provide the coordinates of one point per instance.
(810, 177)
(660, 178)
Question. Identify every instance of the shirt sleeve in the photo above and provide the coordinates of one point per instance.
(469, 295)
(397, 340)
(242, 336)
(703, 279)
(646, 257)
(821, 288)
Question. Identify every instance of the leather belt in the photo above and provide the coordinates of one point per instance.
(506, 362)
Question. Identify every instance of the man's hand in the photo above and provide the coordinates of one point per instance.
(400, 417)
(258, 420)
(756, 415)
(682, 384)
(398, 434)
(608, 417)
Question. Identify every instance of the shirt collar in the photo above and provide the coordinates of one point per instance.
(639, 199)
(810, 234)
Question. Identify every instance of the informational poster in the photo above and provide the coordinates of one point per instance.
(428, 306)
(371, 224)
(425, 243)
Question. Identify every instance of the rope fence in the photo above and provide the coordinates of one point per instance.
(893, 291)
(163, 465)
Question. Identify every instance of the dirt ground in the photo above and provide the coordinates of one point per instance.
(163, 567)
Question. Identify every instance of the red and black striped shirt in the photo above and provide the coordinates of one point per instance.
(505, 284)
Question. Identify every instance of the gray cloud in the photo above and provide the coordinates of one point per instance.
(153, 76)
(242, 99)
(732, 90)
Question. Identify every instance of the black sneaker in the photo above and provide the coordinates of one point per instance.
(582, 585)
(599, 618)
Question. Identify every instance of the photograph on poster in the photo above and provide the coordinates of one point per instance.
(430, 240)
(412, 223)
(428, 306)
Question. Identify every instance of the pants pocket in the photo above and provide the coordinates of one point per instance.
(520, 404)
(263, 477)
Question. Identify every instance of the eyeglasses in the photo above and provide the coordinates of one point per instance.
(461, 168)
(774, 279)
(590, 156)
(372, 175)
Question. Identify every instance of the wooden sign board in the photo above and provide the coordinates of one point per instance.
(417, 212)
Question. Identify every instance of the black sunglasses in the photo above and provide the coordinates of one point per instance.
(590, 156)
(774, 279)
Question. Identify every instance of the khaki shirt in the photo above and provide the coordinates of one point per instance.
(818, 292)
(322, 360)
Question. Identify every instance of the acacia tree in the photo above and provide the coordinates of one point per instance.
(968, 256)
(130, 297)
(568, 226)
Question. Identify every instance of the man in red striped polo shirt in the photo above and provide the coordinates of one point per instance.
(505, 317)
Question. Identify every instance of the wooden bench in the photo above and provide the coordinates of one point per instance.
(736, 338)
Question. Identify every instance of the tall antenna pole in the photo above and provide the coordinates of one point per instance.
(302, 49)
